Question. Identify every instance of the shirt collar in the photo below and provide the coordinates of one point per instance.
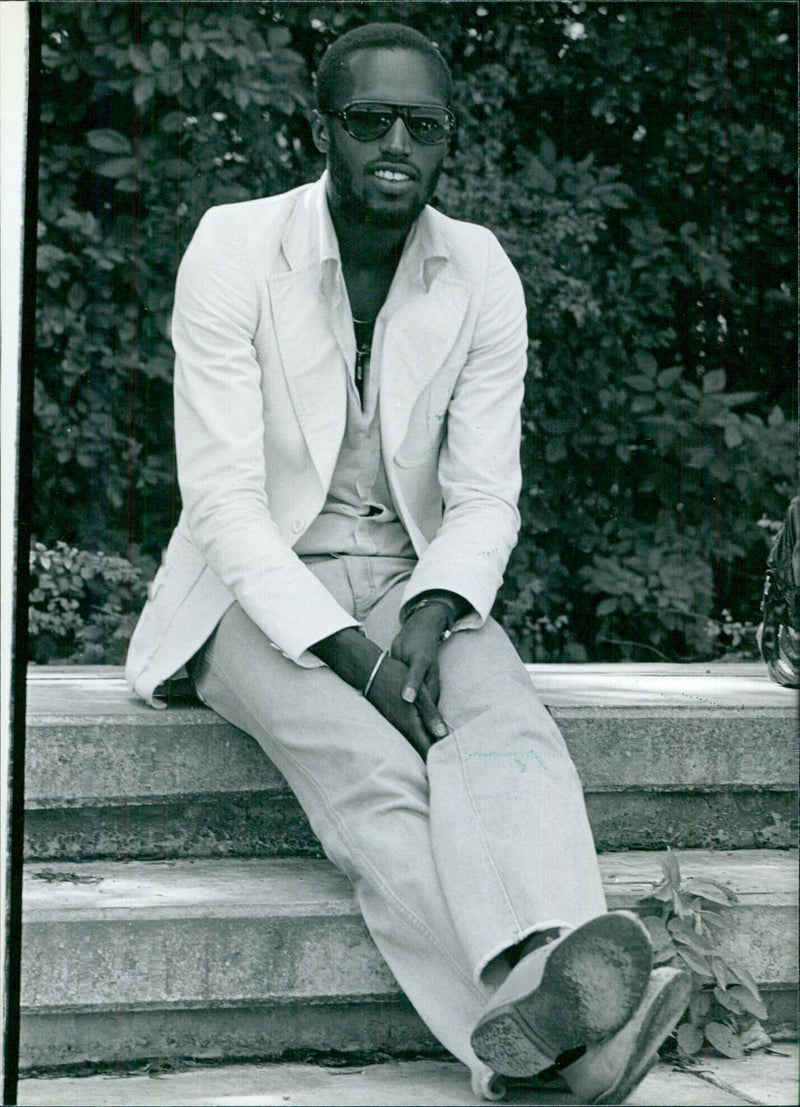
(328, 245)
(424, 256)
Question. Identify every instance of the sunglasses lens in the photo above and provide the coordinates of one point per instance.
(366, 124)
(429, 126)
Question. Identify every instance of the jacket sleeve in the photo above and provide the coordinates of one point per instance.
(219, 430)
(479, 463)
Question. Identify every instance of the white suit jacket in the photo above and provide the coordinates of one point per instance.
(260, 404)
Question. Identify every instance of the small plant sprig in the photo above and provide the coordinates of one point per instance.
(687, 920)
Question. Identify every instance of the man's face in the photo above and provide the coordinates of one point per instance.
(387, 181)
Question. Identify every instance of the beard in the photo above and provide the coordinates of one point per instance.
(358, 209)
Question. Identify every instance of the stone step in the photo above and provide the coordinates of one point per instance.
(251, 958)
(681, 755)
(766, 1077)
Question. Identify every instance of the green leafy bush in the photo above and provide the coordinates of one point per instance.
(726, 1008)
(83, 606)
(638, 163)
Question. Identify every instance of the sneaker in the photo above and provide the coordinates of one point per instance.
(608, 1072)
(577, 990)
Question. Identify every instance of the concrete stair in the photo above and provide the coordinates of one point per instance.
(233, 940)
(239, 958)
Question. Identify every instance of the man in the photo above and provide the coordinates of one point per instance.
(348, 381)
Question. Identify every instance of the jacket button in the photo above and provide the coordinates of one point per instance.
(297, 526)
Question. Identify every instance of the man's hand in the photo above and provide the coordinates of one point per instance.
(420, 722)
(352, 656)
(417, 646)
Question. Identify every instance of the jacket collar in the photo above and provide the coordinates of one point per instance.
(310, 239)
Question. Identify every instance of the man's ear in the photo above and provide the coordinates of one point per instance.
(319, 131)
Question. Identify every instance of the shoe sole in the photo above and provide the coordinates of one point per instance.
(660, 1020)
(592, 983)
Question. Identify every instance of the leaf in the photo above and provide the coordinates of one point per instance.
(690, 1039)
(642, 403)
(678, 906)
(660, 891)
(607, 606)
(724, 1039)
(714, 381)
(733, 399)
(733, 436)
(685, 934)
(721, 973)
(671, 868)
(278, 37)
(641, 384)
(659, 935)
(76, 297)
(727, 1000)
(171, 123)
(555, 450)
(746, 979)
(117, 167)
(699, 1006)
(713, 920)
(547, 152)
(663, 955)
(754, 1037)
(613, 195)
(159, 55)
(748, 1001)
(143, 89)
(669, 376)
(108, 142)
(708, 888)
(138, 58)
(646, 363)
(696, 962)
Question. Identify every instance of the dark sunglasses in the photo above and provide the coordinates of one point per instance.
(366, 120)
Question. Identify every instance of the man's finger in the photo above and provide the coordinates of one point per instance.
(417, 735)
(429, 713)
(432, 682)
(414, 678)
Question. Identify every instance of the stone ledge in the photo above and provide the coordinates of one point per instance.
(692, 756)
(626, 729)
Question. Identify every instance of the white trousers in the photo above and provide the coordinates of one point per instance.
(452, 860)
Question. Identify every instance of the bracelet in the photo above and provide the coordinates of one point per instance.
(444, 604)
(374, 673)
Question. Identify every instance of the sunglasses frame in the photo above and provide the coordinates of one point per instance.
(400, 111)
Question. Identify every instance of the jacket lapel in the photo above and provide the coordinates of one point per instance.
(313, 364)
(419, 335)
(313, 357)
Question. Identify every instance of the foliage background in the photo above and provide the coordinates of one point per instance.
(638, 162)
